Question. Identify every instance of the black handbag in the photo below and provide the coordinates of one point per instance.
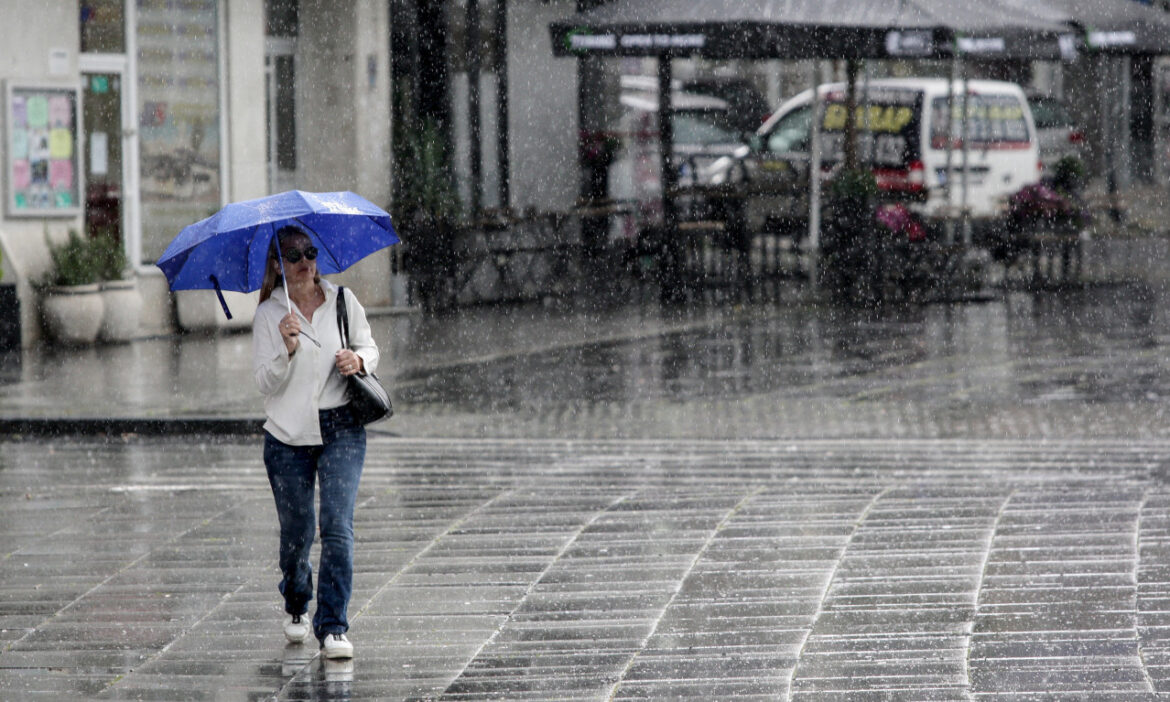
(368, 399)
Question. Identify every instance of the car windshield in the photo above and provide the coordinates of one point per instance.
(703, 127)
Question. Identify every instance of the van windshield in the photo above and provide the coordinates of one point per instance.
(994, 121)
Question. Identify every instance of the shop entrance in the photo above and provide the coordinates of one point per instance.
(102, 127)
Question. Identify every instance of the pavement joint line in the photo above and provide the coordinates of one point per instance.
(207, 614)
(120, 571)
(838, 559)
(1143, 514)
(407, 566)
(534, 581)
(982, 580)
(679, 584)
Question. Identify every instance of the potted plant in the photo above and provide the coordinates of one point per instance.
(71, 302)
(427, 204)
(121, 302)
(1036, 211)
(847, 235)
(9, 314)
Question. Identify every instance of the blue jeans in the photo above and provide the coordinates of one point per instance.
(292, 472)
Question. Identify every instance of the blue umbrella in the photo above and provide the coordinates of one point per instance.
(229, 250)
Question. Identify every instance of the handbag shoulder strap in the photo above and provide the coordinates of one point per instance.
(342, 318)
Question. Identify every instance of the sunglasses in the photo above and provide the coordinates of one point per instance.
(294, 255)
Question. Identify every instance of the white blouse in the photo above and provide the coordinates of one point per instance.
(295, 389)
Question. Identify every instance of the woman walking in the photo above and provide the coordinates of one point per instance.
(310, 439)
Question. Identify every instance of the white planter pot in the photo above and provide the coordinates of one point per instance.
(121, 311)
(73, 314)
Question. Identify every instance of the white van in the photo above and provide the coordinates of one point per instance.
(902, 133)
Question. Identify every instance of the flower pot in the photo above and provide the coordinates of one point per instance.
(72, 314)
(9, 318)
(121, 310)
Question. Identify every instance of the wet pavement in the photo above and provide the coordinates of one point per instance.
(775, 499)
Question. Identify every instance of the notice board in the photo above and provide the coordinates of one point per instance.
(42, 150)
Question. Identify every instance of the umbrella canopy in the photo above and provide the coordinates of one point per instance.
(229, 250)
(804, 29)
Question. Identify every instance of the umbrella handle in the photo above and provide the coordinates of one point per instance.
(287, 297)
(219, 294)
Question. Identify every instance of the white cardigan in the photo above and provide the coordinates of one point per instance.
(295, 389)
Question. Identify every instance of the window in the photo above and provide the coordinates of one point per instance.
(178, 117)
(791, 132)
(703, 127)
(1049, 113)
(102, 26)
(991, 119)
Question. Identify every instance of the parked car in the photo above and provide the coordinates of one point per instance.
(703, 132)
(902, 133)
(749, 108)
(1056, 131)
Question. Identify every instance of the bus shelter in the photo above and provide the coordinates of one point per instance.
(807, 29)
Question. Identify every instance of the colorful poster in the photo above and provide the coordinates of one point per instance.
(60, 111)
(60, 174)
(38, 111)
(43, 167)
(19, 111)
(60, 143)
(38, 144)
(21, 174)
(19, 143)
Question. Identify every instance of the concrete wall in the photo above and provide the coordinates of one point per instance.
(29, 29)
(343, 116)
(542, 112)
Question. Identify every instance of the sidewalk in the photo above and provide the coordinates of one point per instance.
(185, 383)
(1144, 208)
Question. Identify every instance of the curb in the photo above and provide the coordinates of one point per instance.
(52, 427)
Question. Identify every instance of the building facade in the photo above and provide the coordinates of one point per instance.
(135, 118)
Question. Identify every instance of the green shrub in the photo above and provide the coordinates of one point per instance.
(111, 258)
(75, 262)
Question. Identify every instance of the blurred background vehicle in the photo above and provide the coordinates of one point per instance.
(749, 109)
(704, 130)
(1057, 132)
(902, 128)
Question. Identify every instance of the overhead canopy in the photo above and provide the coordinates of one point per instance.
(1113, 26)
(805, 29)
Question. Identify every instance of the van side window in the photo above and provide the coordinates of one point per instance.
(993, 121)
(791, 132)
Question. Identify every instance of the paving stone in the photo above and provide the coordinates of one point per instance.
(878, 585)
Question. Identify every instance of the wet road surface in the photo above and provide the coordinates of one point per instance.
(951, 502)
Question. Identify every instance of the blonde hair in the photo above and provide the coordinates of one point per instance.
(272, 277)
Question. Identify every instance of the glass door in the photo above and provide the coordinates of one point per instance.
(102, 128)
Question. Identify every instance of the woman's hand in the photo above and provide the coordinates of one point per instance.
(290, 329)
(348, 362)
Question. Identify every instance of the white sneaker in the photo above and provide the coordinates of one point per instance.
(337, 646)
(296, 628)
